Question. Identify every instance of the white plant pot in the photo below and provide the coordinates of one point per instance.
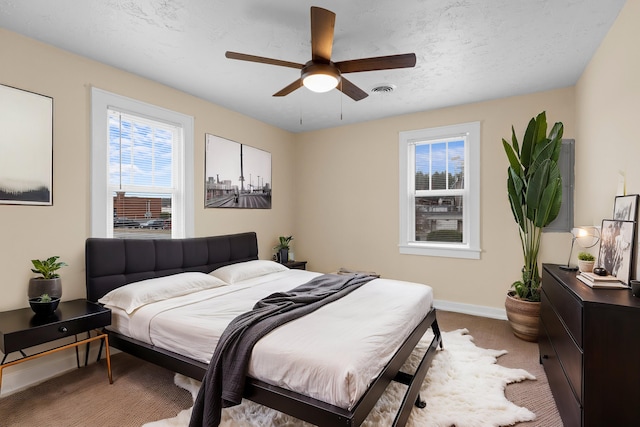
(585, 266)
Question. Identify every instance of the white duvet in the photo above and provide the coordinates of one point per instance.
(332, 354)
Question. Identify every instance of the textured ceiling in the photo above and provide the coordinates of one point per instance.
(467, 50)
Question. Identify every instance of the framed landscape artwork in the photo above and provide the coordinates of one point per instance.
(26, 147)
(236, 175)
(616, 248)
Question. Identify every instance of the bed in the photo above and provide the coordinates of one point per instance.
(305, 386)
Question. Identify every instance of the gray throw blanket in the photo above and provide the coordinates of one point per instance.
(224, 381)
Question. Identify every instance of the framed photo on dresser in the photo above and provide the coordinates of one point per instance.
(625, 208)
(617, 241)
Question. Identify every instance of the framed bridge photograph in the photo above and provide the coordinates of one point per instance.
(26, 147)
(236, 175)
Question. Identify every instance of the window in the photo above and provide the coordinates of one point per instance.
(139, 178)
(440, 191)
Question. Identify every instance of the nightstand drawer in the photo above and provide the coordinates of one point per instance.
(566, 304)
(21, 329)
(56, 330)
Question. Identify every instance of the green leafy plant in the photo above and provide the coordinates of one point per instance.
(283, 242)
(47, 268)
(44, 298)
(586, 256)
(535, 193)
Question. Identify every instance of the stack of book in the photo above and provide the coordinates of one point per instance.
(595, 281)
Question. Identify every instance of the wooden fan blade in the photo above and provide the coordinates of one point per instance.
(351, 90)
(287, 90)
(322, 26)
(262, 60)
(406, 60)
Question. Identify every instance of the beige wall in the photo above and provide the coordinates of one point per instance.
(30, 232)
(608, 112)
(347, 199)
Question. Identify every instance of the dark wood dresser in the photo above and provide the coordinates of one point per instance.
(590, 349)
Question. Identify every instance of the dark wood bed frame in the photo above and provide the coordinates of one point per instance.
(111, 263)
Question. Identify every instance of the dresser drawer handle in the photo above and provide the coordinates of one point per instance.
(62, 329)
(544, 356)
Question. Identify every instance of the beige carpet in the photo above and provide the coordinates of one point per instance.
(143, 392)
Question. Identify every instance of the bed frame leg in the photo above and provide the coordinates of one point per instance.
(436, 332)
(420, 403)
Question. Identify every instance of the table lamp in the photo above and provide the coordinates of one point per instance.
(587, 237)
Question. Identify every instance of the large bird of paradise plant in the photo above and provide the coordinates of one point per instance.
(535, 193)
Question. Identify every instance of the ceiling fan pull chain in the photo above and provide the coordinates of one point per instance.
(341, 99)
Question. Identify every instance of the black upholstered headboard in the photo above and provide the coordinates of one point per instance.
(111, 263)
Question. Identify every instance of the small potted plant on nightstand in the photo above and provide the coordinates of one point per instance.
(44, 305)
(586, 262)
(49, 281)
(283, 248)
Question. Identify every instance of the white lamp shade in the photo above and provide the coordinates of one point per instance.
(586, 236)
(320, 82)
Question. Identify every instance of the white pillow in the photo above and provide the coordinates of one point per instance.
(235, 273)
(134, 295)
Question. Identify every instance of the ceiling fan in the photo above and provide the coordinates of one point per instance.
(320, 74)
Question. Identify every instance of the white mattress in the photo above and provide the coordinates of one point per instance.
(332, 354)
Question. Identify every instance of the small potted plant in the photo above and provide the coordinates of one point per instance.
(44, 305)
(586, 262)
(49, 280)
(282, 248)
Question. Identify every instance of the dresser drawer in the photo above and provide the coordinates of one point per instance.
(568, 353)
(566, 304)
(569, 408)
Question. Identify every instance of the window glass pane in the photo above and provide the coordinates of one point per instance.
(423, 167)
(141, 215)
(455, 164)
(439, 166)
(439, 219)
(140, 152)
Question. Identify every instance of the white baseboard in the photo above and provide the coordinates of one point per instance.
(474, 310)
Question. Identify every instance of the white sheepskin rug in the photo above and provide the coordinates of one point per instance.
(464, 388)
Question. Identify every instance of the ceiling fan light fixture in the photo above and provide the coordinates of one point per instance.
(320, 77)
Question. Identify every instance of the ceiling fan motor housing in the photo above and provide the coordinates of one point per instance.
(320, 77)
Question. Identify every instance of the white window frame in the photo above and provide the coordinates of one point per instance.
(470, 248)
(182, 207)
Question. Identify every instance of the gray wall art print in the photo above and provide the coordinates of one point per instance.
(26, 147)
(236, 175)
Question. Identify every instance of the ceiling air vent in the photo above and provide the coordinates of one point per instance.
(383, 89)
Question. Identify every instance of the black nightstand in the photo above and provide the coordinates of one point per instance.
(299, 265)
(21, 329)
